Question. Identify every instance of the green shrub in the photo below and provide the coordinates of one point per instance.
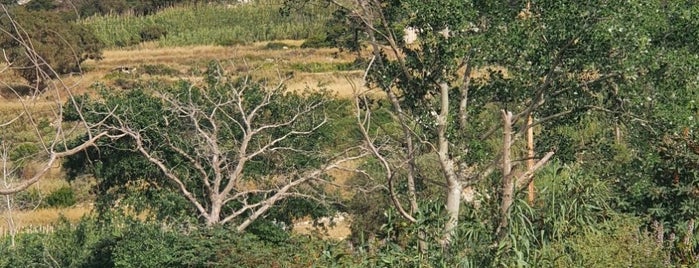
(23, 151)
(152, 32)
(41, 5)
(61, 197)
(616, 243)
(28, 251)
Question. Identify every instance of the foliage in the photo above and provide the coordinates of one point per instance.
(44, 37)
(41, 5)
(319, 41)
(572, 225)
(614, 85)
(613, 93)
(342, 29)
(61, 197)
(125, 242)
(616, 243)
(643, 143)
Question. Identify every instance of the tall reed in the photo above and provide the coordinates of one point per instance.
(212, 24)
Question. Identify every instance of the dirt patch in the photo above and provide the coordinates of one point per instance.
(337, 227)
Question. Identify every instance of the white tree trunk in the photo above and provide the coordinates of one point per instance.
(453, 204)
(508, 184)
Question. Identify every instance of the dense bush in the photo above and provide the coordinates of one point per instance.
(616, 243)
(124, 242)
(61, 197)
(61, 44)
(41, 5)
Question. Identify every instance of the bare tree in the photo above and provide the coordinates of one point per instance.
(211, 137)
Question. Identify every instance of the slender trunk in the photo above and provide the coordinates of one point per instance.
(507, 180)
(531, 194)
(410, 147)
(408, 138)
(463, 104)
(6, 177)
(453, 207)
(10, 220)
(447, 164)
(407, 134)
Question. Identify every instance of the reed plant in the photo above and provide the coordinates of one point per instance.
(212, 24)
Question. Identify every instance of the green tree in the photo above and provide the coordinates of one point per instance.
(457, 74)
(40, 45)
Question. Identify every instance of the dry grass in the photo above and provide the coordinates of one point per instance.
(254, 59)
(42, 217)
(344, 84)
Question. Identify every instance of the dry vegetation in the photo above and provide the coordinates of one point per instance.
(254, 58)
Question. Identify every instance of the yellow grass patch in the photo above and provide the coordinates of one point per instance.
(41, 217)
(344, 84)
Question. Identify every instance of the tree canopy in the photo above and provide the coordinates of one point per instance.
(451, 69)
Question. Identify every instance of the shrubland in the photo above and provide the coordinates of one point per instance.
(211, 172)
